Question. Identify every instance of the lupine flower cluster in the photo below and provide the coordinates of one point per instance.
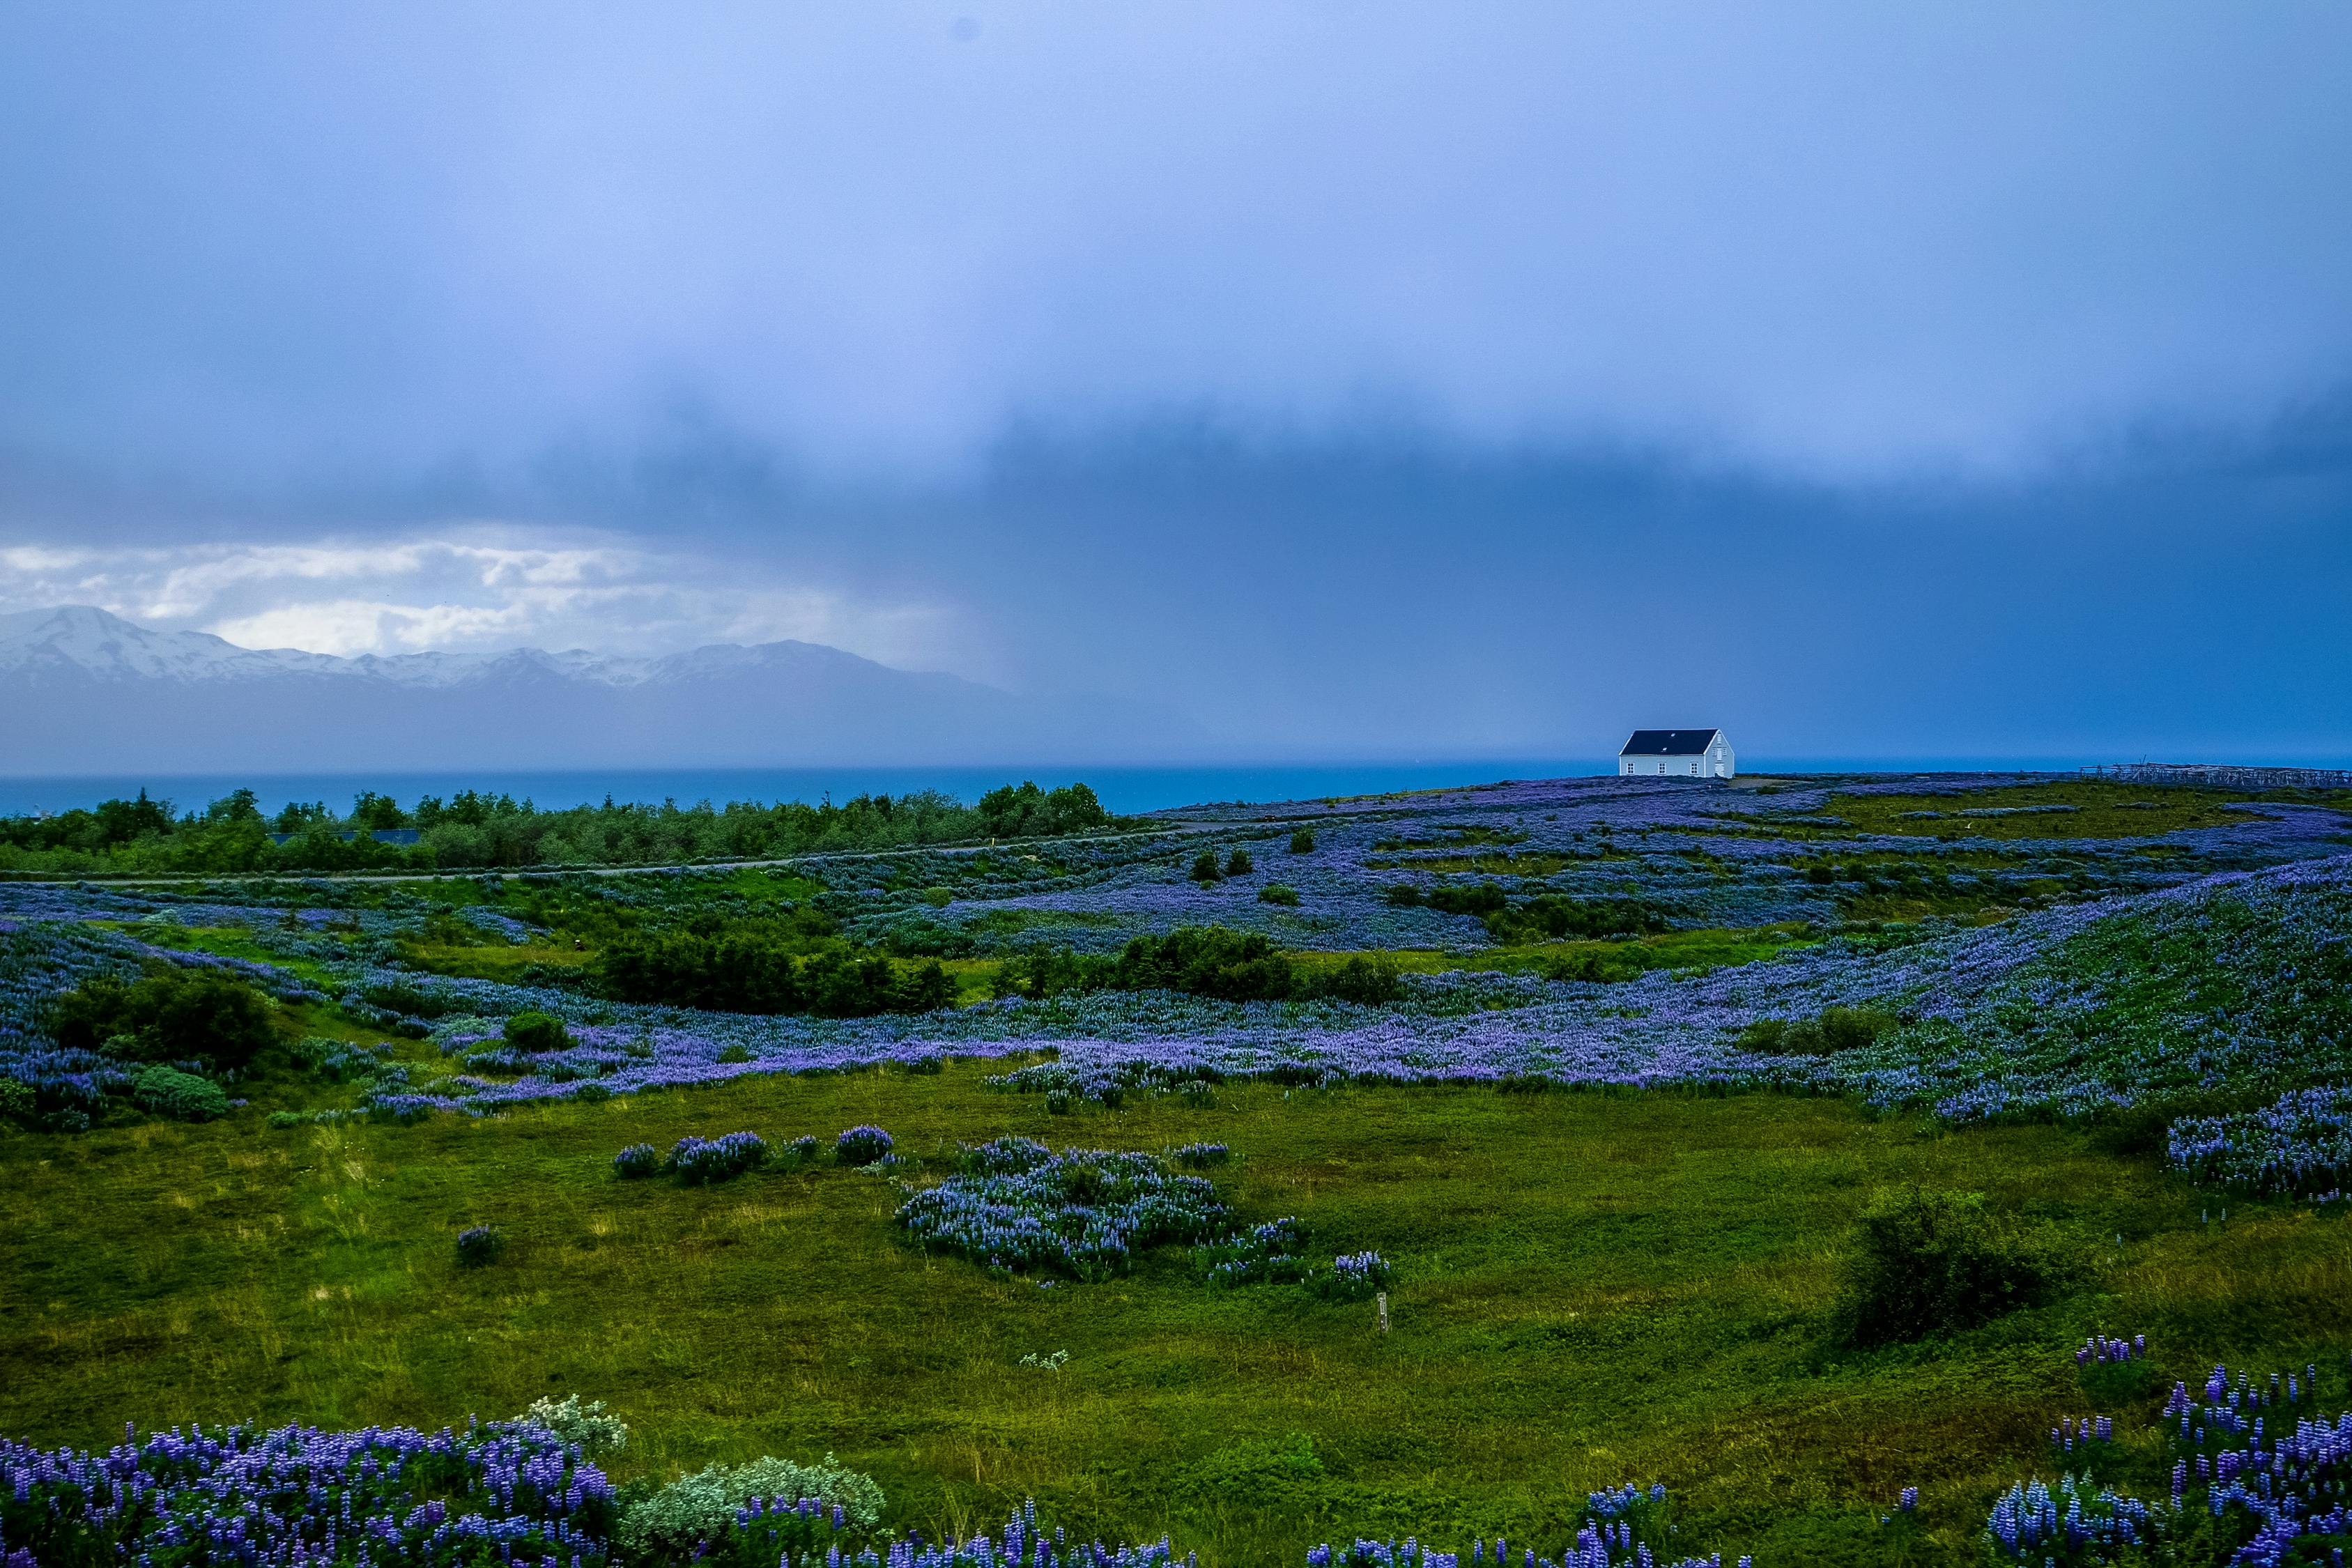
(699, 1161)
(2298, 1146)
(1201, 1156)
(1017, 1205)
(2101, 1351)
(2241, 1478)
(505, 1493)
(636, 1159)
(2031, 1523)
(1355, 1276)
(861, 1145)
(1623, 1528)
(1272, 1253)
(511, 1492)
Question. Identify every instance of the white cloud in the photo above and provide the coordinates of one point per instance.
(478, 589)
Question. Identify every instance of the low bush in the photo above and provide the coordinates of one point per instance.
(1369, 981)
(700, 1161)
(1551, 917)
(1477, 899)
(1238, 864)
(17, 1099)
(1404, 895)
(597, 1434)
(1836, 1029)
(536, 1032)
(637, 1160)
(1275, 893)
(1205, 961)
(1929, 1263)
(167, 1091)
(741, 968)
(1611, 965)
(861, 1145)
(478, 1246)
(679, 1523)
(1302, 841)
(338, 1061)
(1204, 867)
(174, 1016)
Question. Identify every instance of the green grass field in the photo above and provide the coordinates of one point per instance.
(1592, 1288)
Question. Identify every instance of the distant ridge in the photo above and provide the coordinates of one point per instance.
(82, 691)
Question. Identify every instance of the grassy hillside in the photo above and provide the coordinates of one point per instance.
(1592, 1287)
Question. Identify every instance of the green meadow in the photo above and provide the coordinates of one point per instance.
(1591, 1288)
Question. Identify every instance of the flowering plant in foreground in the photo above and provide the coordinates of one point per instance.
(2245, 1487)
(1625, 1527)
(506, 1492)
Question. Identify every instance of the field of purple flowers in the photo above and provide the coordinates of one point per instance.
(2123, 970)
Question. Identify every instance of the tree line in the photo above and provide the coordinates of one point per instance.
(475, 829)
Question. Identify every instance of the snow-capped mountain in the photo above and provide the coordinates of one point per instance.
(82, 691)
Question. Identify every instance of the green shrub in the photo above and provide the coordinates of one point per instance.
(1372, 982)
(1477, 899)
(16, 1100)
(173, 1016)
(1204, 867)
(1836, 1029)
(1206, 961)
(1275, 893)
(1553, 918)
(536, 1032)
(1404, 895)
(1936, 1263)
(1238, 864)
(2131, 1131)
(1302, 841)
(168, 1091)
(1607, 966)
(669, 1526)
(597, 1434)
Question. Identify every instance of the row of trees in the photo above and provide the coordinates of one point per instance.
(745, 971)
(478, 829)
(1206, 961)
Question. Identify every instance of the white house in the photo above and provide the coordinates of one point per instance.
(1677, 755)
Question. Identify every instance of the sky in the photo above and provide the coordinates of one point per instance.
(1871, 381)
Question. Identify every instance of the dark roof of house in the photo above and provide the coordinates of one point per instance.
(1668, 743)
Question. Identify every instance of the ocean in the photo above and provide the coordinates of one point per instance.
(1122, 789)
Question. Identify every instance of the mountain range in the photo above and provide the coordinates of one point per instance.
(84, 691)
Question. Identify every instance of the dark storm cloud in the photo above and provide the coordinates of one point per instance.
(1376, 376)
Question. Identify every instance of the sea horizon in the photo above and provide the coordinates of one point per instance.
(1126, 789)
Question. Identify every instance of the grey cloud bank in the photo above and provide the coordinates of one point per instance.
(1358, 382)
